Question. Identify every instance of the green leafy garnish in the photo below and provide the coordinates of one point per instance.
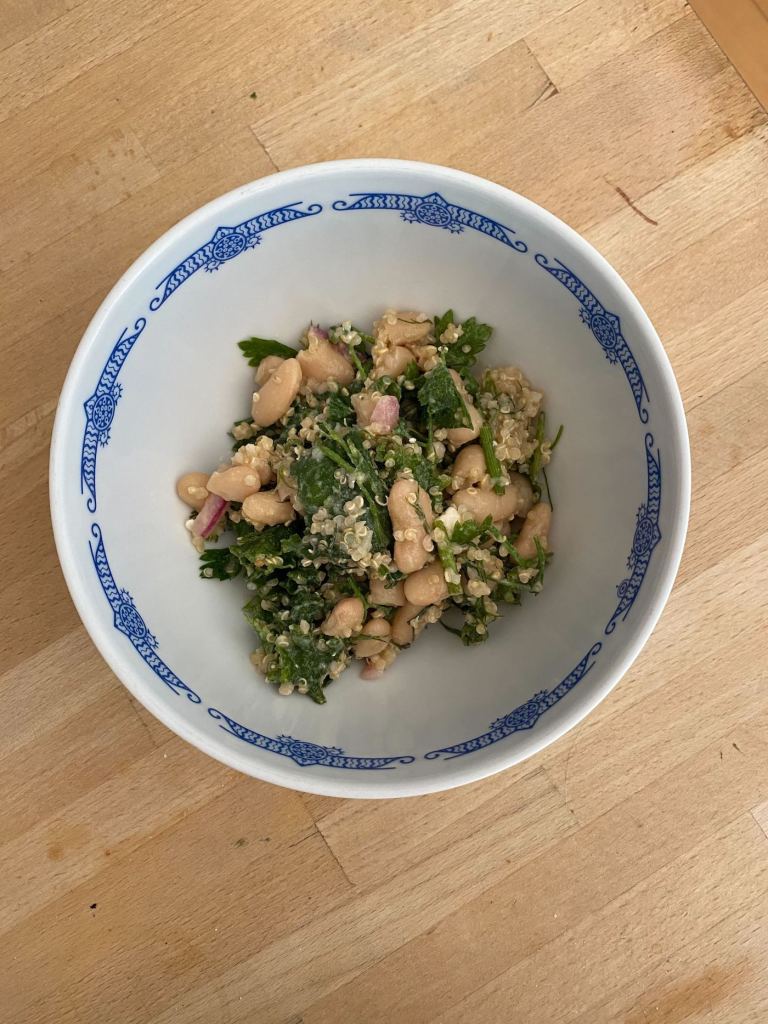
(462, 354)
(440, 400)
(256, 349)
(492, 464)
(219, 564)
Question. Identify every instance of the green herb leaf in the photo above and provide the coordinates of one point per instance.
(261, 553)
(466, 532)
(440, 400)
(339, 410)
(219, 564)
(315, 476)
(534, 466)
(463, 353)
(303, 659)
(441, 322)
(256, 349)
(492, 463)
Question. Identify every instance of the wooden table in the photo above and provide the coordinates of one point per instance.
(622, 875)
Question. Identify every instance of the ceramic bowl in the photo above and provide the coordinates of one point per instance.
(158, 379)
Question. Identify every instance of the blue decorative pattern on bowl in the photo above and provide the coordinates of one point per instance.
(434, 211)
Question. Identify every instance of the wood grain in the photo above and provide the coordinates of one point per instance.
(740, 27)
(620, 877)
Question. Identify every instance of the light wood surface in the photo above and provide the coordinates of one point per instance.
(622, 875)
(740, 27)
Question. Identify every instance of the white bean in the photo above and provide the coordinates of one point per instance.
(408, 328)
(393, 362)
(469, 468)
(373, 640)
(192, 490)
(380, 593)
(427, 586)
(458, 436)
(274, 399)
(345, 619)
(480, 503)
(235, 483)
(266, 368)
(524, 493)
(536, 524)
(364, 402)
(322, 362)
(402, 632)
(266, 509)
(409, 552)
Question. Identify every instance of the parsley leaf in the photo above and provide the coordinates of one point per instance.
(440, 400)
(441, 322)
(474, 337)
(303, 659)
(262, 553)
(315, 476)
(218, 564)
(256, 349)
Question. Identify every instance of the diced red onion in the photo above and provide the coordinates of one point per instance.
(209, 516)
(385, 413)
(313, 331)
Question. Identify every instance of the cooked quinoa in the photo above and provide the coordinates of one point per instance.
(379, 485)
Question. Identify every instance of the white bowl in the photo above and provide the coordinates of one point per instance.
(158, 379)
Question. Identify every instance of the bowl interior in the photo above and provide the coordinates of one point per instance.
(159, 379)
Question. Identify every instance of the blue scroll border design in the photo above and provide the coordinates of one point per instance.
(434, 211)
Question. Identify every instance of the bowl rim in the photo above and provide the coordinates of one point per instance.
(345, 787)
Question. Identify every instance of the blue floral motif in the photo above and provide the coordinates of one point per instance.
(434, 211)
(647, 536)
(523, 717)
(605, 326)
(100, 410)
(129, 622)
(303, 752)
(228, 242)
(431, 210)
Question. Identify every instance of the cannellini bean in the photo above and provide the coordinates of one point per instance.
(481, 503)
(266, 509)
(504, 526)
(380, 593)
(373, 640)
(192, 490)
(235, 483)
(408, 328)
(469, 468)
(364, 402)
(371, 670)
(409, 552)
(393, 362)
(458, 436)
(265, 471)
(345, 619)
(524, 491)
(401, 632)
(536, 524)
(427, 586)
(322, 362)
(266, 368)
(274, 399)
